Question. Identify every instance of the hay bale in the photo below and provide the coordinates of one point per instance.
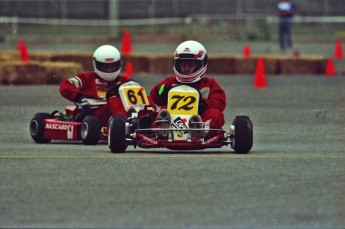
(161, 64)
(271, 65)
(55, 72)
(248, 65)
(141, 62)
(13, 71)
(18, 73)
(34, 72)
(218, 64)
(245, 65)
(41, 56)
(34, 56)
(85, 59)
(302, 66)
(9, 56)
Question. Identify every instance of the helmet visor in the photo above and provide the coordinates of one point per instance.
(108, 67)
(188, 66)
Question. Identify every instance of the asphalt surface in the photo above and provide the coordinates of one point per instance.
(294, 177)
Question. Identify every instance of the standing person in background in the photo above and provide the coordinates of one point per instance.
(285, 10)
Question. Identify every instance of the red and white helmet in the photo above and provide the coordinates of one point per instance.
(190, 51)
(107, 62)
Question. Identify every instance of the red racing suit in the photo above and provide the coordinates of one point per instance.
(90, 85)
(213, 97)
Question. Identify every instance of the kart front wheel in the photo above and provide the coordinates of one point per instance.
(243, 134)
(117, 134)
(90, 130)
(37, 127)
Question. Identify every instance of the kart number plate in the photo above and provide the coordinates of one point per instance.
(135, 95)
(183, 103)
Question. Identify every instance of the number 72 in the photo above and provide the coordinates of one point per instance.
(183, 102)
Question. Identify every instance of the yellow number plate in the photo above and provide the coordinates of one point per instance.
(185, 103)
(135, 95)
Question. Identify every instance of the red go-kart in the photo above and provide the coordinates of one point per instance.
(70, 126)
(179, 127)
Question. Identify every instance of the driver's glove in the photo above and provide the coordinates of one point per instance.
(85, 106)
(163, 91)
(114, 91)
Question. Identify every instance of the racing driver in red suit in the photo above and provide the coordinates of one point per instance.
(106, 75)
(190, 65)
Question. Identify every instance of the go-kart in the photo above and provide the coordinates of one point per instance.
(179, 127)
(45, 127)
(70, 126)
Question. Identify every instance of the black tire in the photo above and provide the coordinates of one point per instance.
(90, 130)
(37, 127)
(117, 134)
(243, 134)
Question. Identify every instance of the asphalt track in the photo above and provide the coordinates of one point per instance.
(294, 176)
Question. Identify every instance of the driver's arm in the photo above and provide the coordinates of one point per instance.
(159, 93)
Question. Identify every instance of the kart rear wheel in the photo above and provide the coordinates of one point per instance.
(243, 134)
(90, 130)
(117, 134)
(37, 127)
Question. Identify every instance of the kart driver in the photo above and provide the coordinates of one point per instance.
(190, 65)
(106, 75)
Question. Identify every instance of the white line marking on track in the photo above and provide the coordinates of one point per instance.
(177, 156)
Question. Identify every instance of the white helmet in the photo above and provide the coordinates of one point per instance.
(107, 62)
(191, 51)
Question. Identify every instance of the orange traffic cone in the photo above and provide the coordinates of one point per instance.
(260, 74)
(129, 69)
(338, 51)
(126, 46)
(23, 51)
(246, 51)
(330, 67)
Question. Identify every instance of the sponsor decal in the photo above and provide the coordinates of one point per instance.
(57, 126)
(63, 127)
(179, 124)
(200, 54)
(102, 88)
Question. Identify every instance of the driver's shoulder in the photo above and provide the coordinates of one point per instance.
(208, 81)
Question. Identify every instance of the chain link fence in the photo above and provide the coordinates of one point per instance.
(179, 19)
